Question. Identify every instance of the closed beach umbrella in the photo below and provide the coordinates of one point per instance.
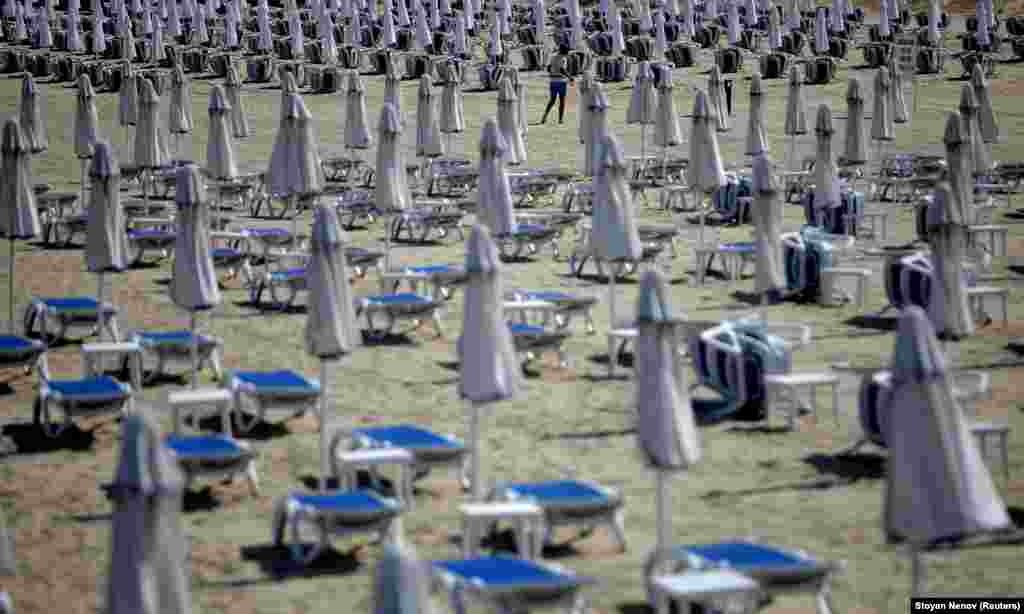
(173, 18)
(660, 41)
(826, 180)
(391, 187)
(393, 89)
(19, 218)
(947, 231)
(106, 238)
(74, 34)
(796, 113)
(598, 104)
(194, 281)
(642, 103)
(821, 42)
(687, 27)
(770, 280)
(453, 119)
(230, 29)
(264, 38)
(937, 485)
(757, 139)
(233, 93)
(44, 37)
(403, 14)
(494, 210)
(615, 25)
(882, 121)
(666, 430)
(986, 117)
(716, 98)
(838, 15)
(734, 30)
(295, 168)
(705, 172)
(774, 30)
(583, 130)
(32, 116)
(331, 330)
(148, 152)
(508, 121)
(86, 126)
(614, 236)
(149, 551)
(934, 18)
(900, 114)
(158, 41)
(20, 31)
(388, 35)
(127, 107)
(489, 369)
(856, 145)
(980, 160)
(520, 89)
(428, 128)
(220, 146)
(460, 41)
(99, 35)
(199, 27)
(666, 121)
(296, 39)
(327, 42)
(401, 582)
(357, 129)
(180, 112)
(424, 38)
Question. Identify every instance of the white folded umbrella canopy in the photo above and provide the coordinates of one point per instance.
(494, 206)
(757, 137)
(855, 150)
(428, 128)
(233, 91)
(769, 279)
(666, 430)
(986, 116)
(148, 560)
(980, 160)
(508, 121)
(331, 330)
(489, 369)
(937, 484)
(32, 115)
(826, 176)
(357, 129)
(716, 98)
(19, 218)
(642, 104)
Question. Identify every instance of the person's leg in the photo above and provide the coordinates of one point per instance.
(551, 102)
(562, 90)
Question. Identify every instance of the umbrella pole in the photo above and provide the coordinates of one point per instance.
(475, 460)
(643, 147)
(324, 461)
(611, 298)
(84, 163)
(663, 511)
(10, 279)
(388, 221)
(917, 571)
(194, 349)
(100, 292)
(294, 204)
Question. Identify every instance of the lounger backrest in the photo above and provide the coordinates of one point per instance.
(872, 402)
(722, 365)
(908, 281)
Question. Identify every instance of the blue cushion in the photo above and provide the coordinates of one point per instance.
(89, 390)
(203, 447)
(267, 232)
(402, 298)
(550, 296)
(357, 506)
(518, 328)
(530, 229)
(434, 268)
(280, 382)
(224, 253)
(745, 557)
(289, 274)
(742, 247)
(501, 572)
(406, 436)
(73, 304)
(560, 492)
(176, 338)
(12, 346)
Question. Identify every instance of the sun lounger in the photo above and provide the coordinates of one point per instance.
(565, 306)
(158, 236)
(570, 502)
(530, 238)
(509, 584)
(451, 178)
(356, 205)
(403, 306)
(332, 514)
(418, 224)
(167, 347)
(20, 352)
(257, 394)
(90, 395)
(428, 449)
(52, 318)
(777, 570)
(442, 279)
(218, 456)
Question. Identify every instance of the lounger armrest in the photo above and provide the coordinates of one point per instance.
(794, 335)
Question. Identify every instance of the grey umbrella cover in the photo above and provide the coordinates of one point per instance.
(882, 121)
(757, 139)
(148, 151)
(106, 239)
(642, 102)
(86, 121)
(128, 97)
(666, 428)
(666, 124)
(194, 281)
(796, 115)
(826, 180)
(428, 128)
(391, 190)
(19, 218)
(508, 121)
(180, 118)
(489, 369)
(33, 118)
(220, 147)
(982, 95)
(716, 99)
(856, 146)
(705, 172)
(148, 562)
(401, 583)
(614, 235)
(331, 324)
(357, 129)
(767, 214)
(937, 484)
(233, 89)
(495, 209)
